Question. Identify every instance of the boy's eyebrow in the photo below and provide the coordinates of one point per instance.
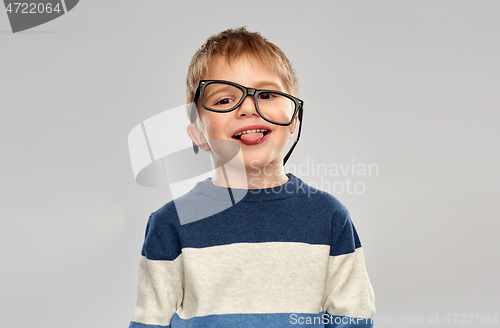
(269, 85)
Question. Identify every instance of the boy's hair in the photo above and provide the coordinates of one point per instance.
(230, 45)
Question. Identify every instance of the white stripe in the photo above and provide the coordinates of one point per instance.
(159, 291)
(254, 278)
(272, 277)
(349, 291)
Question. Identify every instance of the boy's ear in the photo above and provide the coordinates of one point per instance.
(293, 125)
(197, 136)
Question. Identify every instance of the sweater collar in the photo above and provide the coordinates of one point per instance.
(288, 189)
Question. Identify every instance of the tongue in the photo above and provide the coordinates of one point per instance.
(252, 138)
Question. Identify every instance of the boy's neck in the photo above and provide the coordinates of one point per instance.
(232, 176)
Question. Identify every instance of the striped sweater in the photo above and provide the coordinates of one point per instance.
(287, 256)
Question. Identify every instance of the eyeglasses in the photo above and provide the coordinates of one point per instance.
(273, 106)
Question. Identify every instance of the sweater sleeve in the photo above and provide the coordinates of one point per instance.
(160, 276)
(349, 300)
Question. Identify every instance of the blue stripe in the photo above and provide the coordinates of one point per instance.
(315, 218)
(259, 320)
(347, 239)
(335, 321)
(134, 324)
(162, 238)
(265, 320)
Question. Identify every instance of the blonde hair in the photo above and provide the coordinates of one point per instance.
(232, 44)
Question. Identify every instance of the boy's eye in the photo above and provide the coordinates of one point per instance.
(265, 96)
(224, 101)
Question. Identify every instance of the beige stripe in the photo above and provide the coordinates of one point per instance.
(159, 291)
(254, 278)
(349, 291)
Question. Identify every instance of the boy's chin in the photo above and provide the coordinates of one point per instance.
(257, 164)
(226, 150)
(248, 163)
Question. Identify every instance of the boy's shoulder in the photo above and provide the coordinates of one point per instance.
(183, 209)
(319, 198)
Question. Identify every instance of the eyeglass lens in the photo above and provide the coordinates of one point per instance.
(273, 106)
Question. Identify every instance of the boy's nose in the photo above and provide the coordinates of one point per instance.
(247, 107)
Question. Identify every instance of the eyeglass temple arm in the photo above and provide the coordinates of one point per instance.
(193, 116)
(296, 140)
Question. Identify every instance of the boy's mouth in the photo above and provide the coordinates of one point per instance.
(251, 136)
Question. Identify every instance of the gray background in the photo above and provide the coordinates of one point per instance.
(412, 86)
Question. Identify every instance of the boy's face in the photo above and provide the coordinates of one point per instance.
(250, 72)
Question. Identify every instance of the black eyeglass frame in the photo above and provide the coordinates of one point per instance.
(248, 92)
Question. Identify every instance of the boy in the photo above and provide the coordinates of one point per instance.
(281, 254)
